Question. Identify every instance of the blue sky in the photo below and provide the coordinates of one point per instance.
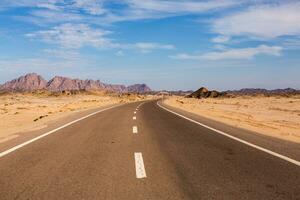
(168, 44)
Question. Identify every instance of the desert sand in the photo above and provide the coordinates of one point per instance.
(20, 113)
(273, 116)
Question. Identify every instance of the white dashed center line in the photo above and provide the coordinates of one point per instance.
(134, 112)
(135, 129)
(134, 118)
(139, 166)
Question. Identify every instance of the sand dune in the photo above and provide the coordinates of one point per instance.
(274, 116)
(26, 112)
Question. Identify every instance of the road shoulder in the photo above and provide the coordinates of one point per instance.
(51, 125)
(287, 148)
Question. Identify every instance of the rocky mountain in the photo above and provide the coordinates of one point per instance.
(59, 83)
(138, 87)
(31, 82)
(205, 93)
(115, 88)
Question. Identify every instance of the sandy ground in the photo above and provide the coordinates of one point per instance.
(273, 116)
(26, 112)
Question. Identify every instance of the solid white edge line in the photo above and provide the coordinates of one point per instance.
(52, 131)
(235, 138)
(139, 165)
(134, 129)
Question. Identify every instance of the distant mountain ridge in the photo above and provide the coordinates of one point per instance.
(31, 82)
(257, 91)
(205, 93)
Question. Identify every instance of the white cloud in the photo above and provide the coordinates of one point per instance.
(42, 17)
(172, 6)
(47, 5)
(221, 39)
(97, 11)
(264, 22)
(93, 7)
(148, 46)
(144, 47)
(157, 9)
(74, 36)
(243, 53)
(50, 4)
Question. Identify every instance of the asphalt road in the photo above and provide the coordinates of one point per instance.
(158, 155)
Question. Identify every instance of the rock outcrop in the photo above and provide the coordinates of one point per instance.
(205, 93)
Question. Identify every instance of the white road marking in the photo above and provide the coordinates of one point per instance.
(235, 138)
(54, 130)
(135, 129)
(134, 112)
(8, 138)
(140, 105)
(139, 166)
(134, 118)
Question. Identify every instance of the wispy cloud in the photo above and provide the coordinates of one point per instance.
(73, 36)
(175, 6)
(235, 54)
(93, 7)
(71, 21)
(41, 17)
(99, 11)
(146, 47)
(76, 36)
(221, 39)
